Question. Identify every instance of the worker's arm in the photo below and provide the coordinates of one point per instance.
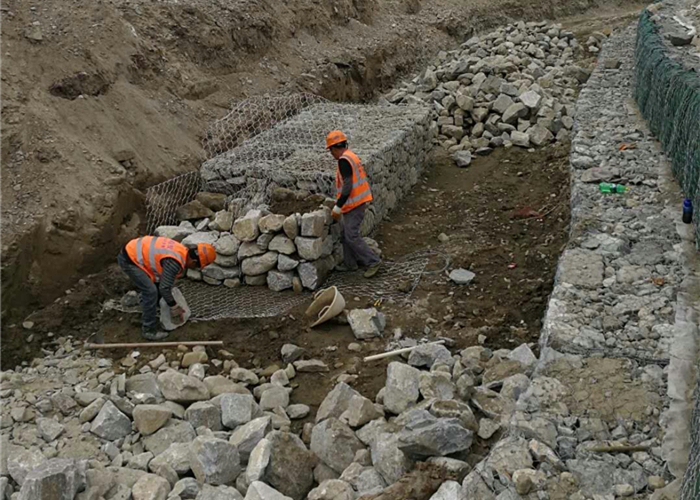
(171, 268)
(346, 174)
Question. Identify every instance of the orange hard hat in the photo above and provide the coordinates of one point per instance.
(335, 137)
(206, 253)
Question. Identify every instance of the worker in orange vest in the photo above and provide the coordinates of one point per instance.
(153, 263)
(353, 196)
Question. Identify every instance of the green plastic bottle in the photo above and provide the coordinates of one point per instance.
(609, 187)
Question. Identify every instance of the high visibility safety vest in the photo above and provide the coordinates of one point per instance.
(148, 252)
(361, 192)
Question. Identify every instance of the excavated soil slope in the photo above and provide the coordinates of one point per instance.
(103, 99)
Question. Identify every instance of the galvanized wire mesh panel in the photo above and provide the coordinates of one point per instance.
(668, 95)
(395, 281)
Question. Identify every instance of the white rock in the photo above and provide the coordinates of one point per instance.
(151, 487)
(260, 491)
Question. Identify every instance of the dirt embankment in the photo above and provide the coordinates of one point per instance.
(103, 99)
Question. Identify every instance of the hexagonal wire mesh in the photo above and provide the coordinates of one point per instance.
(244, 152)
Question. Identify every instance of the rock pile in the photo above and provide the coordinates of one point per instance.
(169, 431)
(514, 86)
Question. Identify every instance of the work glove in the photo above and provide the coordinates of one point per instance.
(177, 314)
(336, 213)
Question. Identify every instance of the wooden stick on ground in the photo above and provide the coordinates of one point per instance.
(603, 448)
(398, 351)
(155, 344)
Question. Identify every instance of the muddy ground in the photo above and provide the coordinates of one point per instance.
(489, 211)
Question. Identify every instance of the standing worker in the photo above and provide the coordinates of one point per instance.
(353, 196)
(153, 263)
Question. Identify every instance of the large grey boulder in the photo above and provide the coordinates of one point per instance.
(49, 429)
(55, 479)
(173, 432)
(366, 323)
(177, 233)
(309, 248)
(238, 409)
(227, 245)
(204, 414)
(177, 456)
(335, 444)
(291, 226)
(261, 264)
(181, 388)
(402, 387)
(291, 466)
(214, 461)
(429, 354)
(510, 454)
(275, 396)
(437, 385)
(261, 491)
(21, 462)
(313, 224)
(271, 223)
(313, 274)
(218, 384)
(246, 228)
(151, 487)
(223, 220)
(443, 437)
(283, 245)
(110, 423)
(514, 111)
(336, 402)
(360, 411)
(149, 418)
(258, 461)
(449, 490)
(278, 281)
(388, 459)
(246, 437)
(145, 383)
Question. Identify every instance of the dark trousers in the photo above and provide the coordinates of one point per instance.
(355, 249)
(147, 289)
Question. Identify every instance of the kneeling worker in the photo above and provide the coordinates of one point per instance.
(353, 196)
(153, 264)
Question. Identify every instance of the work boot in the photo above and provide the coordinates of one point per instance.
(372, 270)
(154, 334)
(346, 269)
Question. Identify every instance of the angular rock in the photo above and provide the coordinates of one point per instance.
(278, 281)
(260, 491)
(271, 223)
(283, 245)
(514, 111)
(238, 409)
(443, 437)
(110, 423)
(436, 385)
(474, 486)
(309, 248)
(192, 211)
(520, 139)
(449, 490)
(366, 323)
(146, 383)
(213, 201)
(502, 103)
(173, 432)
(336, 402)
(290, 470)
(332, 489)
(244, 376)
(448, 408)
(177, 233)
(181, 388)
(388, 459)
(462, 158)
(200, 237)
(246, 437)
(219, 384)
(274, 397)
(22, 462)
(49, 429)
(428, 355)
(246, 228)
(360, 411)
(177, 456)
(335, 444)
(402, 387)
(313, 274)
(285, 263)
(297, 411)
(310, 366)
(249, 249)
(524, 355)
(539, 135)
(204, 414)
(214, 461)
(509, 455)
(291, 353)
(313, 224)
(488, 428)
(531, 99)
(255, 266)
(55, 479)
(291, 226)
(149, 418)
(151, 487)
(223, 220)
(227, 245)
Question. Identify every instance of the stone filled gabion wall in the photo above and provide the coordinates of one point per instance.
(391, 141)
(264, 249)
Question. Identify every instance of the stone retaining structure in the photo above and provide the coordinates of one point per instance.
(391, 141)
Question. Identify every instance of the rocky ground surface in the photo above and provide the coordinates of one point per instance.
(587, 420)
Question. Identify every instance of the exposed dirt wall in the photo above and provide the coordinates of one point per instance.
(103, 99)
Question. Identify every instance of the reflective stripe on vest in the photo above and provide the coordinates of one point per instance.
(155, 251)
(360, 193)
